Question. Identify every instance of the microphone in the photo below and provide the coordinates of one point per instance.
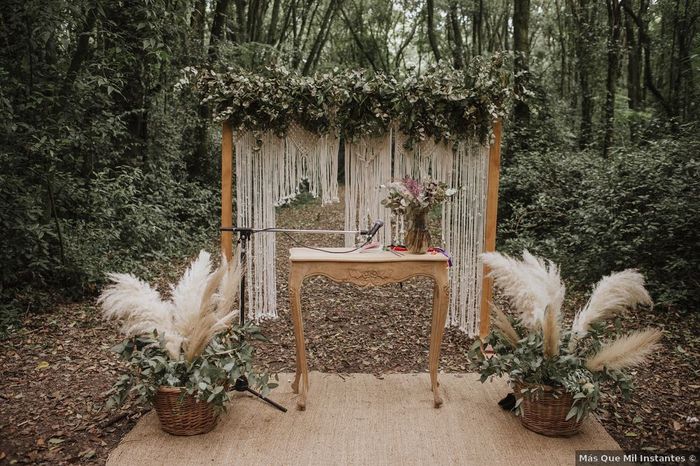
(375, 228)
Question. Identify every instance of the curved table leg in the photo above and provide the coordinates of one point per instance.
(437, 330)
(295, 280)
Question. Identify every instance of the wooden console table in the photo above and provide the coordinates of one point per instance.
(366, 269)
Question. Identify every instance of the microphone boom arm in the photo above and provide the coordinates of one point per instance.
(371, 232)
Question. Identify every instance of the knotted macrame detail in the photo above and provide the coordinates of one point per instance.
(367, 169)
(317, 159)
(463, 229)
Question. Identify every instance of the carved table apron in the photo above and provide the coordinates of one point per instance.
(367, 269)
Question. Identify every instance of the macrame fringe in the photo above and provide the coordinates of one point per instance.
(268, 172)
(367, 169)
(316, 158)
(262, 179)
(463, 231)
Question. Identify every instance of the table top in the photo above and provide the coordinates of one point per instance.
(311, 255)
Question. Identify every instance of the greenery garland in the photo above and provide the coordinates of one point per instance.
(444, 104)
(447, 104)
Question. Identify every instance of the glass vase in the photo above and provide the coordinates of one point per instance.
(417, 235)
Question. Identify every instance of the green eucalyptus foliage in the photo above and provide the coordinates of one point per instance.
(442, 104)
(447, 104)
(208, 378)
(566, 372)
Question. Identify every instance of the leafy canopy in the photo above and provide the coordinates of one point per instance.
(444, 104)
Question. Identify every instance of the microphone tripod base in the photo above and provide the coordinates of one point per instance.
(242, 386)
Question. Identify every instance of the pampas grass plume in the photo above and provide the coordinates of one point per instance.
(199, 308)
(625, 352)
(550, 332)
(611, 296)
(531, 283)
(503, 324)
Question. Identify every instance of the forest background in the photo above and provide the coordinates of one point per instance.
(107, 164)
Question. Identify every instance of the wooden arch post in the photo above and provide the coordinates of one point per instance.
(227, 190)
(490, 226)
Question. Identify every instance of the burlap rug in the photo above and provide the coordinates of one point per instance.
(364, 420)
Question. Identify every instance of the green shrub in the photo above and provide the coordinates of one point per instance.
(138, 219)
(125, 220)
(639, 208)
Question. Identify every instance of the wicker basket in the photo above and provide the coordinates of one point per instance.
(183, 417)
(545, 413)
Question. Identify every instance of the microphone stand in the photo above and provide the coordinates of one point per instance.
(244, 235)
(241, 384)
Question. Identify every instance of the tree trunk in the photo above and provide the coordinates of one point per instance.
(521, 46)
(477, 28)
(241, 34)
(673, 63)
(197, 22)
(506, 19)
(458, 49)
(407, 40)
(614, 29)
(320, 36)
(358, 40)
(285, 25)
(323, 42)
(562, 49)
(82, 50)
(646, 47)
(634, 76)
(430, 12)
(684, 77)
(217, 26)
(199, 165)
(274, 18)
(583, 14)
(307, 24)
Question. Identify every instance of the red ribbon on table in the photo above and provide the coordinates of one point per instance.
(434, 250)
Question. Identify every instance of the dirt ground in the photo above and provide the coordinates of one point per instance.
(57, 369)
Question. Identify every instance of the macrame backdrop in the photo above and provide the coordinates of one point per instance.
(367, 168)
(463, 225)
(261, 180)
(463, 165)
(268, 172)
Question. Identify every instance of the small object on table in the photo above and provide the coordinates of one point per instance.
(443, 252)
(417, 233)
(374, 246)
